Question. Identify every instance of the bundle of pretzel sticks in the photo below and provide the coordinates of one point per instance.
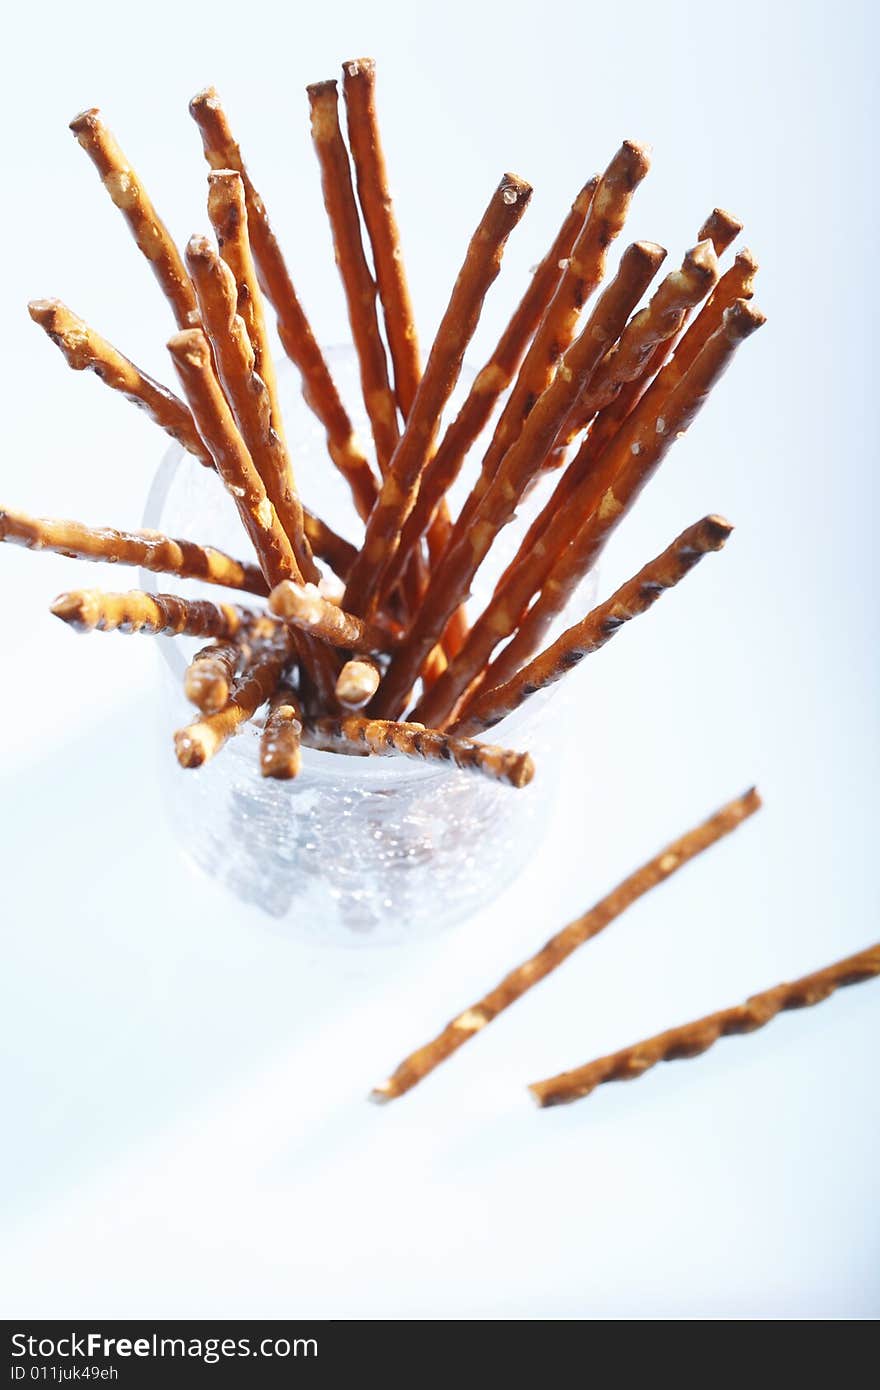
(367, 648)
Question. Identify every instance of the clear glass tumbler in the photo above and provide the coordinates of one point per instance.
(354, 850)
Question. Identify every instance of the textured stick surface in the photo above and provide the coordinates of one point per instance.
(280, 742)
(86, 350)
(721, 228)
(692, 1039)
(451, 582)
(354, 272)
(353, 734)
(634, 597)
(297, 339)
(210, 675)
(481, 266)
(303, 606)
(328, 545)
(150, 550)
(199, 742)
(357, 682)
(419, 1063)
(130, 196)
(91, 610)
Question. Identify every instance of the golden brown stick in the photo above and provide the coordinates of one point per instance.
(210, 675)
(721, 228)
(692, 1039)
(130, 196)
(423, 1061)
(90, 610)
(451, 581)
(303, 606)
(85, 350)
(246, 392)
(328, 546)
(582, 275)
(634, 597)
(192, 359)
(481, 266)
(150, 550)
(626, 465)
(357, 682)
(199, 742)
(297, 338)
(280, 742)
(351, 262)
(359, 87)
(353, 734)
(494, 378)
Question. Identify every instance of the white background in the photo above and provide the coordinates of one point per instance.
(188, 1133)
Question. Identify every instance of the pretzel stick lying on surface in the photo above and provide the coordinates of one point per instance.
(303, 605)
(481, 266)
(626, 465)
(199, 742)
(150, 550)
(489, 384)
(280, 742)
(90, 610)
(450, 584)
(634, 597)
(357, 682)
(353, 734)
(294, 329)
(691, 1039)
(130, 196)
(420, 1063)
(351, 262)
(246, 391)
(210, 675)
(86, 350)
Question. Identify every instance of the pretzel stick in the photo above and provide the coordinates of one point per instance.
(192, 359)
(327, 545)
(657, 322)
(199, 742)
(148, 549)
(630, 460)
(481, 266)
(246, 392)
(357, 682)
(85, 350)
(692, 1039)
(304, 606)
(634, 597)
(297, 338)
(489, 384)
(351, 262)
(582, 275)
(280, 742)
(130, 196)
(451, 581)
(90, 610)
(210, 675)
(420, 1063)
(353, 734)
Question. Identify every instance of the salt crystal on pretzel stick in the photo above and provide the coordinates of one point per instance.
(489, 384)
(297, 339)
(149, 550)
(246, 391)
(633, 598)
(353, 734)
(357, 682)
(199, 742)
(208, 680)
(280, 756)
(631, 459)
(351, 262)
(464, 1026)
(86, 350)
(92, 610)
(130, 196)
(583, 273)
(481, 266)
(451, 581)
(303, 605)
(692, 1039)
